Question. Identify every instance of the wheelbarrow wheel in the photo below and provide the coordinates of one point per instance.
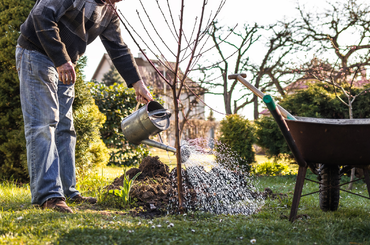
(329, 187)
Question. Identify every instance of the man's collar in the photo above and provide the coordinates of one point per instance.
(100, 1)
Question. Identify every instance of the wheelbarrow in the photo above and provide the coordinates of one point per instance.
(329, 147)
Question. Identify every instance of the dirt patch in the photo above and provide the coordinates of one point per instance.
(152, 189)
(155, 189)
(268, 193)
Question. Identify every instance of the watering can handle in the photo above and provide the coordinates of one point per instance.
(137, 106)
(160, 111)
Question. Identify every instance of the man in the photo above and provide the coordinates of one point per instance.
(53, 38)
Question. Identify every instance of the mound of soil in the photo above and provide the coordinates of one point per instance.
(150, 168)
(155, 189)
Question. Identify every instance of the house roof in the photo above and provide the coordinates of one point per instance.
(104, 64)
(323, 69)
(147, 72)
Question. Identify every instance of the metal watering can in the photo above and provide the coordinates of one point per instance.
(150, 120)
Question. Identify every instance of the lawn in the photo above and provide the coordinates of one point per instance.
(21, 223)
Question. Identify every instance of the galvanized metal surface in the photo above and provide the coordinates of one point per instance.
(147, 121)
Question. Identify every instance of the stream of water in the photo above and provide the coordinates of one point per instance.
(218, 185)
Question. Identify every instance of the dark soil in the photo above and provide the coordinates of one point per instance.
(155, 189)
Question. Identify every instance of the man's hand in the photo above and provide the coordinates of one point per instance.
(142, 93)
(67, 73)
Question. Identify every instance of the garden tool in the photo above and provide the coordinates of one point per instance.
(257, 92)
(150, 120)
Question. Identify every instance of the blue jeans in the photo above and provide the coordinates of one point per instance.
(48, 123)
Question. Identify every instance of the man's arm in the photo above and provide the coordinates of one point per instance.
(119, 53)
(45, 17)
(124, 61)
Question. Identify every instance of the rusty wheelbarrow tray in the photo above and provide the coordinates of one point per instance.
(332, 141)
(327, 143)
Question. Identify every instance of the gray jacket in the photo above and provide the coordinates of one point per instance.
(61, 29)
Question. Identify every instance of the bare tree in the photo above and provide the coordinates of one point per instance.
(274, 70)
(184, 45)
(328, 31)
(269, 74)
(223, 67)
(341, 38)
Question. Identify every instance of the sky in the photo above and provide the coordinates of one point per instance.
(234, 12)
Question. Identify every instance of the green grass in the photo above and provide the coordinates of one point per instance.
(21, 223)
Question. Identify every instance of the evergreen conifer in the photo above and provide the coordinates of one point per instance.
(13, 163)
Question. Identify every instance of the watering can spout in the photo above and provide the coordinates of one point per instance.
(184, 150)
(158, 145)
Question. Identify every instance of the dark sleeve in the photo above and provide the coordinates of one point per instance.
(45, 17)
(120, 53)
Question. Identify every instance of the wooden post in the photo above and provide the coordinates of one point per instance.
(297, 192)
(297, 155)
(367, 179)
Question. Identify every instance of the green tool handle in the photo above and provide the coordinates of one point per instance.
(271, 105)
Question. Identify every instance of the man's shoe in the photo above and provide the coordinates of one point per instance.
(81, 199)
(57, 203)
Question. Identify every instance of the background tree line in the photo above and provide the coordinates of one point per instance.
(337, 36)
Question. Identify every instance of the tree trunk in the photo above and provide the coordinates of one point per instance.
(227, 99)
(353, 170)
(255, 105)
(177, 146)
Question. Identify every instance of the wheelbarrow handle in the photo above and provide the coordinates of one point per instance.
(257, 92)
(272, 106)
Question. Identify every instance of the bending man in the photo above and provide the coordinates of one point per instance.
(53, 38)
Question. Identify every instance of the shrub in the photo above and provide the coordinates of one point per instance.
(271, 169)
(13, 161)
(269, 137)
(318, 100)
(117, 102)
(91, 151)
(237, 134)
